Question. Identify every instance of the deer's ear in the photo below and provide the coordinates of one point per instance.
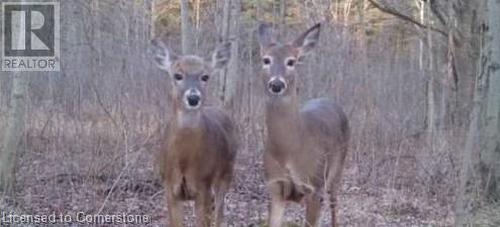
(163, 58)
(221, 55)
(265, 33)
(307, 40)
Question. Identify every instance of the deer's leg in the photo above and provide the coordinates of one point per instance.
(277, 212)
(219, 207)
(313, 210)
(278, 204)
(333, 206)
(335, 183)
(203, 208)
(220, 193)
(174, 210)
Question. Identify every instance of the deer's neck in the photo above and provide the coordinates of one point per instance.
(185, 126)
(186, 138)
(186, 120)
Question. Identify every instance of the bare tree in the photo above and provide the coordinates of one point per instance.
(187, 36)
(233, 78)
(421, 6)
(14, 131)
(230, 33)
(483, 137)
(471, 143)
(430, 123)
(491, 134)
(282, 19)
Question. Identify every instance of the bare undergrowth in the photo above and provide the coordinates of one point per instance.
(70, 166)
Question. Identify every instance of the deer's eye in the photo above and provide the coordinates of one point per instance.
(266, 61)
(205, 78)
(178, 76)
(290, 62)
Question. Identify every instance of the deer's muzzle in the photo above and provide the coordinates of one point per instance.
(276, 85)
(192, 98)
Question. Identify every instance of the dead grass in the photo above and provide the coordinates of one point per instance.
(486, 215)
(70, 165)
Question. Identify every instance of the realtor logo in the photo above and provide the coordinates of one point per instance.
(31, 35)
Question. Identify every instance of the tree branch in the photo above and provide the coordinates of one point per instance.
(410, 19)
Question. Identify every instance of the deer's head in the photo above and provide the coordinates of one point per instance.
(280, 59)
(190, 74)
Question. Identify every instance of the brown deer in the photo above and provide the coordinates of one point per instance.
(305, 148)
(201, 144)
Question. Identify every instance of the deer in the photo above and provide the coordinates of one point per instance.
(305, 147)
(201, 144)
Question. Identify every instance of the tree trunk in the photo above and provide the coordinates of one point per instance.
(224, 36)
(187, 44)
(449, 87)
(13, 134)
(471, 144)
(483, 137)
(421, 40)
(282, 21)
(491, 133)
(152, 19)
(197, 24)
(430, 83)
(232, 75)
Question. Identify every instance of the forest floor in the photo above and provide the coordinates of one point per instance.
(43, 188)
(70, 170)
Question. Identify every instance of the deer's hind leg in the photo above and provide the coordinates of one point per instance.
(333, 203)
(335, 182)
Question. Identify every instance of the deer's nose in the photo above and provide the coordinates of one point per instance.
(276, 86)
(193, 100)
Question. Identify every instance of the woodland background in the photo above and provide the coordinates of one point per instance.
(419, 80)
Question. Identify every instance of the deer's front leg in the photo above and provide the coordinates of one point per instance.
(278, 204)
(174, 209)
(203, 208)
(173, 187)
(313, 210)
(220, 193)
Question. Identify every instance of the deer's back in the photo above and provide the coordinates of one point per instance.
(325, 120)
(326, 132)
